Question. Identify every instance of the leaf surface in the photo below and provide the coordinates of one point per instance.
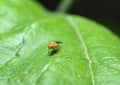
(88, 55)
(14, 13)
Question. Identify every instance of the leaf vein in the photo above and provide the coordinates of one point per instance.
(43, 70)
(18, 48)
(76, 29)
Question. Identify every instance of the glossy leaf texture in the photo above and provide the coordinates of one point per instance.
(18, 12)
(88, 55)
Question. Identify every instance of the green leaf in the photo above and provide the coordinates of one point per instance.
(88, 55)
(18, 12)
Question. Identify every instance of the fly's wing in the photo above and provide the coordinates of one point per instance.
(58, 42)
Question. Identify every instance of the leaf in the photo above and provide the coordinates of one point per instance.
(89, 53)
(18, 12)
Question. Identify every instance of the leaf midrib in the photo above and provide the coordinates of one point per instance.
(81, 39)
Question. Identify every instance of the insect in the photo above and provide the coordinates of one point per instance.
(54, 45)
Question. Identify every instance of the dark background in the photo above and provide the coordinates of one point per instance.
(106, 12)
